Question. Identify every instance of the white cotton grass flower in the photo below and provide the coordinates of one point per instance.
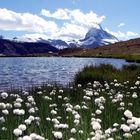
(2, 105)
(110, 139)
(2, 119)
(76, 121)
(17, 132)
(48, 119)
(137, 83)
(125, 128)
(4, 129)
(81, 131)
(95, 125)
(35, 136)
(8, 105)
(72, 139)
(77, 107)
(134, 95)
(19, 100)
(27, 121)
(19, 112)
(61, 126)
(87, 98)
(79, 85)
(115, 125)
(31, 110)
(55, 121)
(22, 127)
(133, 127)
(89, 93)
(73, 130)
(98, 112)
(32, 118)
(17, 104)
(128, 114)
(5, 112)
(4, 95)
(58, 135)
(20, 138)
(53, 112)
(129, 121)
(77, 116)
(127, 135)
(26, 138)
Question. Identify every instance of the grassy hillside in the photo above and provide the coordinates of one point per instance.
(129, 50)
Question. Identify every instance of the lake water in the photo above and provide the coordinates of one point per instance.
(26, 71)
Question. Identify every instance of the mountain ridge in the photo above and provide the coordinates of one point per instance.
(96, 36)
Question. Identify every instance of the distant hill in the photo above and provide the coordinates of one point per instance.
(13, 48)
(123, 48)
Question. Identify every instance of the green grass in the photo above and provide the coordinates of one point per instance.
(106, 72)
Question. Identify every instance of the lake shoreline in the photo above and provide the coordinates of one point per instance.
(133, 59)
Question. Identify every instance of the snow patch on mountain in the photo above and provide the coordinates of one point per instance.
(97, 37)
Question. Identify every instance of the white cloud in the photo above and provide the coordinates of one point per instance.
(71, 31)
(129, 33)
(121, 24)
(76, 22)
(75, 16)
(122, 35)
(10, 20)
(58, 14)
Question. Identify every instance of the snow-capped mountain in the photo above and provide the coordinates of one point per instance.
(58, 43)
(96, 36)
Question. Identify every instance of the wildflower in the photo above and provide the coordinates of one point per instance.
(76, 121)
(19, 112)
(17, 105)
(22, 127)
(5, 112)
(98, 112)
(73, 130)
(27, 122)
(2, 119)
(95, 125)
(2, 105)
(4, 95)
(58, 135)
(53, 112)
(137, 83)
(127, 135)
(19, 100)
(134, 95)
(128, 114)
(72, 139)
(77, 116)
(125, 128)
(79, 85)
(17, 132)
(27, 138)
(115, 125)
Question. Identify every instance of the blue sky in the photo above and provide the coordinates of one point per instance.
(64, 18)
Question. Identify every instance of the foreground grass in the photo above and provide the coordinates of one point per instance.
(99, 110)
